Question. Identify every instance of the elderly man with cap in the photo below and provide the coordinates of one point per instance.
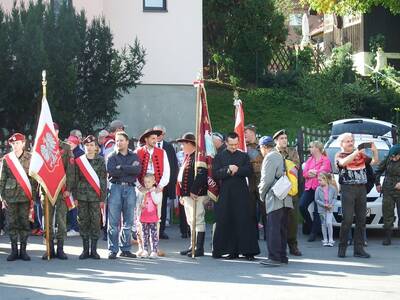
(218, 140)
(281, 141)
(109, 140)
(59, 211)
(16, 190)
(169, 192)
(277, 210)
(123, 167)
(390, 188)
(192, 189)
(90, 188)
(257, 207)
(101, 139)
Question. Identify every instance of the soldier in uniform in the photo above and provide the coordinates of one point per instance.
(281, 141)
(15, 186)
(192, 189)
(90, 188)
(390, 189)
(60, 208)
(257, 207)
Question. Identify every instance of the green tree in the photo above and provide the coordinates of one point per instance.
(343, 7)
(244, 33)
(86, 75)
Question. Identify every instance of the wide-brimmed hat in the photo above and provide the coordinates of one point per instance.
(188, 137)
(149, 132)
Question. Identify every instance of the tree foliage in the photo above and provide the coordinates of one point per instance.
(343, 7)
(86, 76)
(239, 36)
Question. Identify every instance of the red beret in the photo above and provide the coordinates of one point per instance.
(73, 139)
(16, 137)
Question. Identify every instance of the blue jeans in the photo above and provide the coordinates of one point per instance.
(306, 199)
(122, 199)
(72, 217)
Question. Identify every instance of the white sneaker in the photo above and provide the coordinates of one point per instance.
(325, 243)
(331, 243)
(72, 233)
(143, 254)
(153, 255)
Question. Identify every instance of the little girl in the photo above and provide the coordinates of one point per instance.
(148, 215)
(325, 197)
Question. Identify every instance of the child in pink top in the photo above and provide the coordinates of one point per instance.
(147, 210)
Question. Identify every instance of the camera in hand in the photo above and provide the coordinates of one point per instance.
(364, 146)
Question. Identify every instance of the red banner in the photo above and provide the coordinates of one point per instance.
(239, 124)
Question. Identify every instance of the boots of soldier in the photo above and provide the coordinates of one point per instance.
(52, 252)
(93, 250)
(388, 237)
(60, 250)
(85, 253)
(199, 245)
(14, 252)
(22, 252)
(342, 251)
(360, 252)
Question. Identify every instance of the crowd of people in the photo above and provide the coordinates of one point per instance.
(125, 189)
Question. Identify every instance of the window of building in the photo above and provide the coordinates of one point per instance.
(154, 5)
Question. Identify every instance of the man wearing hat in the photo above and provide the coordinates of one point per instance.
(192, 189)
(123, 167)
(257, 208)
(169, 192)
(281, 141)
(16, 190)
(277, 210)
(90, 188)
(218, 140)
(60, 209)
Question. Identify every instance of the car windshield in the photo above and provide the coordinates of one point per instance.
(361, 127)
(331, 152)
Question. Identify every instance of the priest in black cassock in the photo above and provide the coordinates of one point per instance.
(234, 228)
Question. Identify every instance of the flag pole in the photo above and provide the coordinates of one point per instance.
(46, 200)
(199, 87)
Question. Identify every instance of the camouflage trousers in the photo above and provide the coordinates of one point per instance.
(89, 218)
(18, 221)
(59, 213)
(389, 203)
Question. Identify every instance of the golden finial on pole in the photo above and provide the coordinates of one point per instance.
(236, 99)
(44, 82)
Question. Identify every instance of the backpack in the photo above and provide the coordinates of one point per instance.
(292, 174)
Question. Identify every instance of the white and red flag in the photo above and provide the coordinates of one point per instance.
(205, 147)
(46, 164)
(239, 123)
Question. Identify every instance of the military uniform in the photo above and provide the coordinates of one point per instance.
(291, 154)
(391, 196)
(18, 206)
(256, 160)
(60, 208)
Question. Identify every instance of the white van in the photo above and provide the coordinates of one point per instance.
(383, 134)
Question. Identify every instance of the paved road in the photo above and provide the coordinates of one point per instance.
(319, 274)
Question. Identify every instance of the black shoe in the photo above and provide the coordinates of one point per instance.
(388, 238)
(199, 245)
(112, 255)
(93, 250)
(52, 252)
(60, 250)
(216, 256)
(22, 253)
(163, 236)
(311, 238)
(295, 251)
(127, 254)
(185, 252)
(285, 260)
(250, 257)
(361, 253)
(85, 253)
(270, 263)
(14, 252)
(341, 251)
(232, 256)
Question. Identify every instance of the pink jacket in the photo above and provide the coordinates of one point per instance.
(322, 165)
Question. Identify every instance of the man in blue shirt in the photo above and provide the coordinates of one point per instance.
(123, 166)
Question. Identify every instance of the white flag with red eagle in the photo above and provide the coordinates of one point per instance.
(46, 164)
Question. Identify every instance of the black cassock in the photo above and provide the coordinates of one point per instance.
(234, 230)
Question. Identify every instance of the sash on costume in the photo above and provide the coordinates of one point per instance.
(22, 178)
(90, 174)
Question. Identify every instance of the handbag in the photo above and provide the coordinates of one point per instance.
(282, 186)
